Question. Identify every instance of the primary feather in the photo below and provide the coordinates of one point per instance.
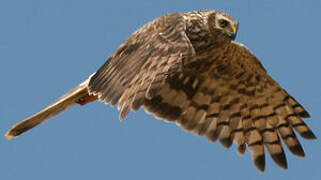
(187, 68)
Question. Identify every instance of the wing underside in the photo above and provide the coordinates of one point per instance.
(237, 103)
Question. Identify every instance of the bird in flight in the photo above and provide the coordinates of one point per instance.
(187, 68)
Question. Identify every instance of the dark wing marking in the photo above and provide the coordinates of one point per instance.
(140, 65)
(234, 99)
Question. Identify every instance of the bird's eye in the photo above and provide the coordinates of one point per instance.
(223, 23)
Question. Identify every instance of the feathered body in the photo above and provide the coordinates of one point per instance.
(187, 68)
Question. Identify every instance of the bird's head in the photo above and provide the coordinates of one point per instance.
(222, 26)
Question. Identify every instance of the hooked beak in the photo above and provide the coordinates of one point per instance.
(233, 32)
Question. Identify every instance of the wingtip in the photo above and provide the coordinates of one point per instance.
(260, 163)
(226, 142)
(297, 150)
(241, 149)
(304, 114)
(308, 135)
(280, 160)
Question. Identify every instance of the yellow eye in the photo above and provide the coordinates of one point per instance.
(223, 23)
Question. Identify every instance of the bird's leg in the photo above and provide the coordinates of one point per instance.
(86, 99)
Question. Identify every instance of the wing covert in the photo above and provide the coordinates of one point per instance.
(228, 96)
(140, 65)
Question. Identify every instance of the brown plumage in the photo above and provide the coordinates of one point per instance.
(185, 67)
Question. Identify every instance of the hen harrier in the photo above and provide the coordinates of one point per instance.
(187, 68)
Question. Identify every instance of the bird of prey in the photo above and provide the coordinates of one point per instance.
(187, 68)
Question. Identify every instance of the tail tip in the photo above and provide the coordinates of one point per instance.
(9, 135)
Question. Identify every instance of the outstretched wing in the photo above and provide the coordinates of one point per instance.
(140, 65)
(228, 95)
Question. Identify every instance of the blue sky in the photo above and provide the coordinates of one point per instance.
(48, 47)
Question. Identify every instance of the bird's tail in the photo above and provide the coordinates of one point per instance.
(78, 95)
